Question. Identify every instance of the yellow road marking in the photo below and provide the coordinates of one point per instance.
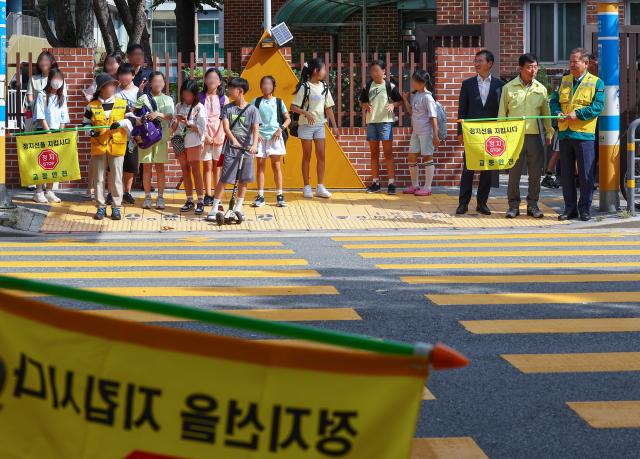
(153, 263)
(622, 414)
(283, 315)
(222, 290)
(209, 274)
(534, 298)
(524, 278)
(623, 324)
(496, 254)
(73, 243)
(186, 251)
(451, 245)
(430, 266)
(475, 236)
(575, 363)
(446, 448)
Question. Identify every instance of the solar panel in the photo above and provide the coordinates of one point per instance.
(281, 34)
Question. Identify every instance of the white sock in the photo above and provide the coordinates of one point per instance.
(239, 203)
(260, 192)
(392, 181)
(216, 203)
(429, 170)
(413, 171)
(279, 191)
(376, 180)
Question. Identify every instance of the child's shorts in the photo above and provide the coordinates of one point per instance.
(231, 163)
(422, 144)
(193, 153)
(379, 132)
(271, 147)
(211, 152)
(131, 159)
(311, 131)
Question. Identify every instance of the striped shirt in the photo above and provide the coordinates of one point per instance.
(107, 106)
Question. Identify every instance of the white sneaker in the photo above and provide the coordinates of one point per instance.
(307, 192)
(38, 197)
(147, 202)
(322, 192)
(51, 196)
(160, 203)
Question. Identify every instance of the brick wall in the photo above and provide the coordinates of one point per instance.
(452, 11)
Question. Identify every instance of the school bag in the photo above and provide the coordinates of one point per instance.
(295, 117)
(442, 121)
(149, 132)
(177, 140)
(203, 98)
(364, 95)
(285, 134)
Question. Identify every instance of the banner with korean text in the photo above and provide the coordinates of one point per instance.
(48, 158)
(492, 145)
(78, 385)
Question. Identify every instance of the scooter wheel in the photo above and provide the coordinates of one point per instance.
(219, 218)
(239, 217)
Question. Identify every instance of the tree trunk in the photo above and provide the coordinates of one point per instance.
(46, 27)
(107, 29)
(145, 41)
(63, 20)
(134, 19)
(84, 24)
(185, 17)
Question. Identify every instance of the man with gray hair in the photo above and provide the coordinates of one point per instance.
(579, 100)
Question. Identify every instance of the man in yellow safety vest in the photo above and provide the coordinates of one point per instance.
(580, 100)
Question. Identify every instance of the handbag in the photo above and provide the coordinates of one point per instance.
(149, 132)
(177, 140)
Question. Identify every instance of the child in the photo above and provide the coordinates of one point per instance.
(158, 154)
(313, 101)
(108, 146)
(241, 122)
(424, 135)
(378, 100)
(50, 112)
(548, 181)
(214, 100)
(271, 143)
(191, 117)
(129, 92)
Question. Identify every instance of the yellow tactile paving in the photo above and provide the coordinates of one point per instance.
(352, 210)
(607, 325)
(618, 414)
(601, 362)
(446, 448)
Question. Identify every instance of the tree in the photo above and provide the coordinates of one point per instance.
(71, 30)
(185, 18)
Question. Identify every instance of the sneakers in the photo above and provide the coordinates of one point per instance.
(410, 190)
(307, 192)
(259, 201)
(126, 197)
(147, 202)
(322, 192)
(160, 203)
(208, 200)
(211, 217)
(189, 205)
(199, 208)
(51, 196)
(280, 201)
(38, 197)
(109, 199)
(100, 213)
(373, 188)
(422, 192)
(115, 213)
(391, 188)
(548, 181)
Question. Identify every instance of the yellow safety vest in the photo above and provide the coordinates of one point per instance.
(109, 142)
(582, 97)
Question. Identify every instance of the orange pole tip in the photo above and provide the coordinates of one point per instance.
(445, 358)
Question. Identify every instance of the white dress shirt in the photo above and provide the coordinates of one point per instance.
(483, 86)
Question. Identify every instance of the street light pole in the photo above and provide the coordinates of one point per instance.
(5, 199)
(267, 15)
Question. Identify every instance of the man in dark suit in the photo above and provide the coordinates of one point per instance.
(479, 98)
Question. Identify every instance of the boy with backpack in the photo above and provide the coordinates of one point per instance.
(378, 101)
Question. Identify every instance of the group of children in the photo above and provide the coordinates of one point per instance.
(211, 127)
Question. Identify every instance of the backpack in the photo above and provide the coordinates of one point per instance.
(442, 122)
(364, 95)
(295, 117)
(149, 132)
(285, 134)
(203, 98)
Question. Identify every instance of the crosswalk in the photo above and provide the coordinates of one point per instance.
(526, 286)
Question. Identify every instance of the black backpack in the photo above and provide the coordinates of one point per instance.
(364, 95)
(295, 117)
(285, 134)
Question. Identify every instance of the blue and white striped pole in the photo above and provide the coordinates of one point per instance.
(609, 65)
(5, 199)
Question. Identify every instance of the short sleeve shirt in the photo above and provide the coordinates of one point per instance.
(423, 108)
(130, 95)
(378, 99)
(317, 103)
(243, 128)
(269, 116)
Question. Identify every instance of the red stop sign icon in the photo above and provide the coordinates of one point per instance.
(48, 159)
(495, 146)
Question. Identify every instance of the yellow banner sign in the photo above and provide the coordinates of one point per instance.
(48, 158)
(75, 385)
(492, 145)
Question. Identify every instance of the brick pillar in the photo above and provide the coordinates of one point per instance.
(246, 55)
(453, 65)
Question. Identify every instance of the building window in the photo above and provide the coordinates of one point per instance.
(554, 29)
(209, 38)
(633, 17)
(164, 38)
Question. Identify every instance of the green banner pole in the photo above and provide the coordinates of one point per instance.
(512, 118)
(52, 131)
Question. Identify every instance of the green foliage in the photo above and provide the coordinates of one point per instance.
(198, 3)
(543, 77)
(198, 75)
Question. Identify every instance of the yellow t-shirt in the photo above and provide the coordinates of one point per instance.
(379, 100)
(316, 104)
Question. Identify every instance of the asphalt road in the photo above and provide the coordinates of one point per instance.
(510, 405)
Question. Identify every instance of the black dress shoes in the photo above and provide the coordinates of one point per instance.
(566, 216)
(585, 216)
(483, 209)
(462, 209)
